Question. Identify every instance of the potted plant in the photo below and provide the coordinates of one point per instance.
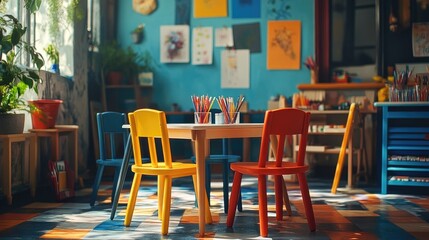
(137, 34)
(53, 56)
(121, 64)
(145, 69)
(15, 79)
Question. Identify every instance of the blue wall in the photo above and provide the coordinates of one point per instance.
(176, 82)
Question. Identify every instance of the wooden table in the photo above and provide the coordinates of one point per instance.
(54, 134)
(30, 142)
(200, 134)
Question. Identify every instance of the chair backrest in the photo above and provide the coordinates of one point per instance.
(150, 124)
(111, 136)
(280, 123)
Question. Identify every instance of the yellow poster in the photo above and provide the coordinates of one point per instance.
(210, 8)
(284, 45)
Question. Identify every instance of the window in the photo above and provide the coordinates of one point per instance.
(39, 32)
(353, 33)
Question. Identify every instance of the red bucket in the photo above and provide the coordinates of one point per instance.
(46, 113)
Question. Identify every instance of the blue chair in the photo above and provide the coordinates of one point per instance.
(111, 138)
(225, 159)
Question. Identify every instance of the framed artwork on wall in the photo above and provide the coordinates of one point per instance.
(235, 68)
(202, 45)
(284, 45)
(183, 15)
(223, 37)
(246, 8)
(247, 36)
(210, 8)
(174, 44)
(421, 39)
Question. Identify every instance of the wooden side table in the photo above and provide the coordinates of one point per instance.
(30, 152)
(71, 131)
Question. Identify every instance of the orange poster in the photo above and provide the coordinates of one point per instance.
(284, 45)
(210, 8)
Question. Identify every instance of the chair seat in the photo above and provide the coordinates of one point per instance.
(252, 168)
(179, 169)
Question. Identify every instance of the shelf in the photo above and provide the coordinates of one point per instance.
(323, 149)
(341, 86)
(125, 86)
(408, 183)
(404, 148)
(408, 169)
(408, 163)
(405, 139)
(115, 97)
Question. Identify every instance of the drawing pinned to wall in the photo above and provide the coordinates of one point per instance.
(202, 45)
(183, 9)
(235, 68)
(223, 37)
(247, 36)
(210, 8)
(284, 45)
(278, 9)
(174, 44)
(420, 37)
(246, 8)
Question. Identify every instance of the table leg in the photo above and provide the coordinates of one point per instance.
(121, 178)
(33, 164)
(200, 161)
(6, 174)
(74, 148)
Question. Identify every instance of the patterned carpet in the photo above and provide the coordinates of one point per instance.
(355, 214)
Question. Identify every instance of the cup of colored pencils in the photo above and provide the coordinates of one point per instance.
(202, 106)
(230, 108)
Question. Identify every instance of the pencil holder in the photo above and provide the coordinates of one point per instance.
(231, 118)
(203, 117)
(404, 94)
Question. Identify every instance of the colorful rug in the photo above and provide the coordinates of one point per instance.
(354, 214)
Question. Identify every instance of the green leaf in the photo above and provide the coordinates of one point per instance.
(33, 5)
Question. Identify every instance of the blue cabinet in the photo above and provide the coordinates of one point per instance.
(404, 144)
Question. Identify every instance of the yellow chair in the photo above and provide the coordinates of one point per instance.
(347, 134)
(151, 124)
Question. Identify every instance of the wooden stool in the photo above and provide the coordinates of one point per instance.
(54, 134)
(30, 152)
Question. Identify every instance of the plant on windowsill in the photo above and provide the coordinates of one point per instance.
(15, 80)
(56, 12)
(53, 56)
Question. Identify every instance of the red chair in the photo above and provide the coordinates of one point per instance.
(277, 125)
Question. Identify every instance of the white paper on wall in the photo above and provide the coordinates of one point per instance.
(235, 68)
(223, 37)
(202, 45)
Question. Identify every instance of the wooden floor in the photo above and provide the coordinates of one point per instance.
(358, 214)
